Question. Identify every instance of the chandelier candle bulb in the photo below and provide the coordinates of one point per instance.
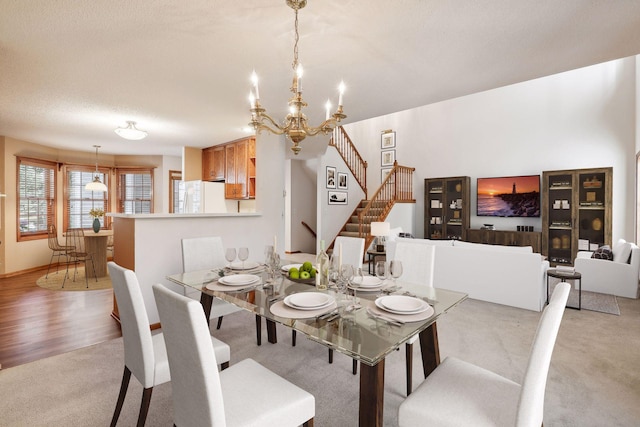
(299, 73)
(341, 89)
(254, 80)
(328, 106)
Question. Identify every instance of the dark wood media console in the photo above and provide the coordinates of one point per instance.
(507, 238)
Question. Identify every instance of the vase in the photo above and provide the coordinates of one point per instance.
(96, 225)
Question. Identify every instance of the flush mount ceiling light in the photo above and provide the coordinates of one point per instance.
(96, 184)
(295, 124)
(131, 132)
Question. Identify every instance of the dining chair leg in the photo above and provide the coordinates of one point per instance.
(293, 338)
(409, 364)
(126, 376)
(224, 366)
(144, 406)
(219, 322)
(354, 367)
(258, 330)
(308, 423)
(330, 355)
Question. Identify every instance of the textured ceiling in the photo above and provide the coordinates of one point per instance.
(73, 70)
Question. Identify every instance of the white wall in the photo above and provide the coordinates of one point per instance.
(579, 119)
(331, 218)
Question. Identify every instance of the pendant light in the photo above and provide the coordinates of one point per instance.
(96, 184)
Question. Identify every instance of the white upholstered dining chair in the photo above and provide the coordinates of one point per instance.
(201, 253)
(458, 393)
(246, 394)
(418, 262)
(145, 354)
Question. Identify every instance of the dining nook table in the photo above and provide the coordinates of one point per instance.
(367, 332)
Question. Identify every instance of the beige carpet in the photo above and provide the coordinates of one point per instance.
(592, 380)
(54, 281)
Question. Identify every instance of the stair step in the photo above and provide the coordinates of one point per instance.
(349, 234)
(354, 226)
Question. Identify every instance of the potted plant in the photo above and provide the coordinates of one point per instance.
(96, 214)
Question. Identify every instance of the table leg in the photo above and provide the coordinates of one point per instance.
(272, 336)
(430, 349)
(206, 301)
(371, 395)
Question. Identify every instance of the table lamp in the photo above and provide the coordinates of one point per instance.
(380, 230)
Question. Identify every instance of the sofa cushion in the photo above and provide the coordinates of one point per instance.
(603, 252)
(621, 251)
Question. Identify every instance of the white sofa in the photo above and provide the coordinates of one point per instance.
(618, 277)
(508, 275)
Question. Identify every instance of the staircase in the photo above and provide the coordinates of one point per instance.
(396, 188)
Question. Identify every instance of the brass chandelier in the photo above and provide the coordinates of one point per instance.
(295, 125)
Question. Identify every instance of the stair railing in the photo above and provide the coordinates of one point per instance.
(351, 156)
(396, 187)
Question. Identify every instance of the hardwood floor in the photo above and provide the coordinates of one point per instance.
(36, 323)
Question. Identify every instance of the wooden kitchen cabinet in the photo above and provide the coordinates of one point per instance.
(213, 163)
(240, 169)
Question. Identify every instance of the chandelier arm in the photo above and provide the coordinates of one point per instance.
(264, 116)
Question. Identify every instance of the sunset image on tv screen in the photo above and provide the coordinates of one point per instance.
(515, 196)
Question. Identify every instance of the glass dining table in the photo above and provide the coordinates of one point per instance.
(361, 334)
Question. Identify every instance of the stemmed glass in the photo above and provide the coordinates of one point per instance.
(334, 269)
(382, 271)
(230, 255)
(395, 268)
(243, 254)
(345, 278)
(354, 284)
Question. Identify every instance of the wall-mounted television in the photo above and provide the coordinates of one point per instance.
(509, 196)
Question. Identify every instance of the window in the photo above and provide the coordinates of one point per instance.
(175, 178)
(135, 191)
(37, 198)
(78, 201)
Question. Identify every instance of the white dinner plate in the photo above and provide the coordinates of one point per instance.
(401, 304)
(367, 282)
(239, 280)
(248, 265)
(309, 300)
(286, 268)
(366, 288)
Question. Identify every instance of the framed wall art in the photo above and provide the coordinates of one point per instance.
(337, 197)
(342, 181)
(388, 140)
(388, 157)
(331, 177)
(384, 172)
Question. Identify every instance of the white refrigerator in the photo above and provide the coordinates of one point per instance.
(204, 197)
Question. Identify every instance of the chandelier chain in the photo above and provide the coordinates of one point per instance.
(295, 45)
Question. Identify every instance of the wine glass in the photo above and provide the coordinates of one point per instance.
(345, 278)
(395, 268)
(382, 271)
(334, 269)
(355, 284)
(230, 255)
(243, 254)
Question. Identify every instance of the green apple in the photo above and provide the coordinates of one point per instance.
(305, 275)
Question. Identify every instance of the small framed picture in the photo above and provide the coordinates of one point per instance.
(342, 181)
(388, 140)
(337, 197)
(384, 172)
(331, 177)
(388, 157)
